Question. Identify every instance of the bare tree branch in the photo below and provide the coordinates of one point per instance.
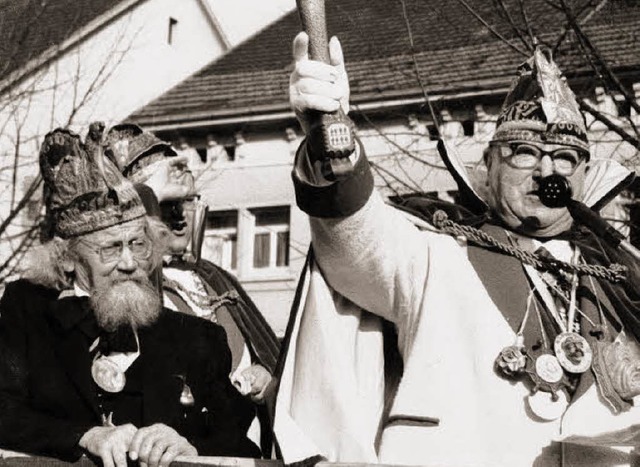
(587, 107)
(514, 25)
(491, 29)
(405, 151)
(417, 67)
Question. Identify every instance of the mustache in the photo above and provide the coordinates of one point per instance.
(132, 301)
(138, 278)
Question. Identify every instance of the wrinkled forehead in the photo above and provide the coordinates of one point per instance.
(121, 232)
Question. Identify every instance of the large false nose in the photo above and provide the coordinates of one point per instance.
(546, 166)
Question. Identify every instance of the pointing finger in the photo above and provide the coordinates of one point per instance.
(335, 52)
(301, 47)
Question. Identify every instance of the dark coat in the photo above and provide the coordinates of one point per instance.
(48, 399)
(244, 325)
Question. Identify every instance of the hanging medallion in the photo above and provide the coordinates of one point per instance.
(511, 361)
(573, 352)
(622, 359)
(186, 396)
(108, 375)
(548, 369)
(546, 405)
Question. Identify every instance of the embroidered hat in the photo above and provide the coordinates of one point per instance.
(83, 190)
(134, 149)
(540, 107)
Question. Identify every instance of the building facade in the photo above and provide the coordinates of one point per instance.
(233, 119)
(70, 62)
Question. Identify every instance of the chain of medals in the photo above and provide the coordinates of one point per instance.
(551, 366)
(202, 299)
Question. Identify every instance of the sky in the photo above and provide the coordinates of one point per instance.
(242, 18)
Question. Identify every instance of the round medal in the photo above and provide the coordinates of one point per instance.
(511, 361)
(544, 407)
(548, 368)
(108, 375)
(573, 352)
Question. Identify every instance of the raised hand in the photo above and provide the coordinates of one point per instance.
(315, 85)
(171, 179)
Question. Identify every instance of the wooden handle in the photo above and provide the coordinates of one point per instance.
(335, 130)
(314, 22)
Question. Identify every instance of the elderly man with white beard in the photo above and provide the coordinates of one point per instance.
(90, 362)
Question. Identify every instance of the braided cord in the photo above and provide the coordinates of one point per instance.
(211, 302)
(614, 273)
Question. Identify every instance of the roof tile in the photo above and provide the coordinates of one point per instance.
(453, 50)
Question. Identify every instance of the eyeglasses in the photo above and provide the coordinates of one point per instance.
(190, 204)
(140, 249)
(528, 156)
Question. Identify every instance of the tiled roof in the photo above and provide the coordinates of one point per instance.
(30, 27)
(454, 52)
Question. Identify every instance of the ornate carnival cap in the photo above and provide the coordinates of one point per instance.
(134, 149)
(83, 190)
(540, 106)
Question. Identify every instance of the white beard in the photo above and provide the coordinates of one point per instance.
(133, 302)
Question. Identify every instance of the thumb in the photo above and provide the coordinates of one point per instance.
(335, 52)
(301, 47)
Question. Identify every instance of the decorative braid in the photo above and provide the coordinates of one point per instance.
(614, 273)
(206, 301)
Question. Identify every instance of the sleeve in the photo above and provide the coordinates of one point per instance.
(368, 251)
(23, 427)
(229, 413)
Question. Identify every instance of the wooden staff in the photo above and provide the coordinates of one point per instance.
(335, 130)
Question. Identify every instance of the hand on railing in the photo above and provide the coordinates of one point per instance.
(109, 443)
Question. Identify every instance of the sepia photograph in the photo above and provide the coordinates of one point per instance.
(332, 233)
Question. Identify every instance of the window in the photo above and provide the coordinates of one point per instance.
(231, 152)
(221, 239)
(623, 105)
(468, 127)
(173, 24)
(249, 241)
(271, 238)
(433, 132)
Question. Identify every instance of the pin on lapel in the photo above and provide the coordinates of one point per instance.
(186, 396)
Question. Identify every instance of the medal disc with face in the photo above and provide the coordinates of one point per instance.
(543, 406)
(108, 375)
(548, 368)
(573, 352)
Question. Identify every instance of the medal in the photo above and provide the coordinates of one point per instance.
(573, 352)
(548, 369)
(621, 358)
(546, 405)
(186, 396)
(108, 375)
(512, 360)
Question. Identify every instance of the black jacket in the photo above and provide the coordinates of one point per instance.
(48, 399)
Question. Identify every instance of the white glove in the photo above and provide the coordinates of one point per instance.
(317, 85)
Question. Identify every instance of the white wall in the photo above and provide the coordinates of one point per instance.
(242, 18)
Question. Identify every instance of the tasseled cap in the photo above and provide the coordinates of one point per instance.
(133, 150)
(540, 107)
(83, 190)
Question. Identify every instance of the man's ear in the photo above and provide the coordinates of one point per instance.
(67, 262)
(68, 265)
